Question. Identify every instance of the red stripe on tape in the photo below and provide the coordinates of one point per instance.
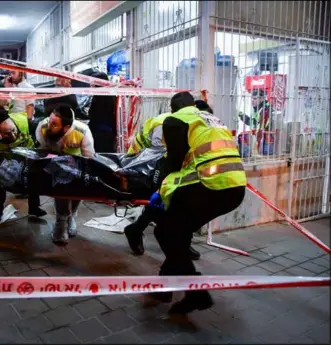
(27, 287)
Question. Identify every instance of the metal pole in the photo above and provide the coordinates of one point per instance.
(294, 128)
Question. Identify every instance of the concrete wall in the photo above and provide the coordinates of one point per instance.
(273, 180)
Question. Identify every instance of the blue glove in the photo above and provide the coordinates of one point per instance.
(156, 201)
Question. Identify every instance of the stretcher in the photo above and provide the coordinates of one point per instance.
(115, 179)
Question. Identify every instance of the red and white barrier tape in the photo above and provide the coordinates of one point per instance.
(104, 91)
(295, 224)
(27, 287)
(121, 89)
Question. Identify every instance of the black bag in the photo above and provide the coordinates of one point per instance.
(114, 176)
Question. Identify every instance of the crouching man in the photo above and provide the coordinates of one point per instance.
(14, 132)
(61, 133)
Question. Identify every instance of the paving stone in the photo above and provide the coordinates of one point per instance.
(124, 337)
(97, 341)
(270, 266)
(13, 269)
(89, 330)
(30, 307)
(116, 301)
(302, 339)
(181, 339)
(310, 266)
(8, 314)
(59, 301)
(33, 273)
(60, 336)
(253, 270)
(321, 262)
(246, 260)
(3, 273)
(140, 314)
(90, 308)
(152, 332)
(298, 271)
(117, 320)
(260, 255)
(10, 334)
(284, 261)
(32, 327)
(320, 334)
(297, 257)
(231, 265)
(38, 264)
(63, 316)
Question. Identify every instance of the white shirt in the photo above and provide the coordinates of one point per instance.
(19, 105)
(87, 145)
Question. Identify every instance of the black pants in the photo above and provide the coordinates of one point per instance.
(104, 141)
(191, 207)
(33, 201)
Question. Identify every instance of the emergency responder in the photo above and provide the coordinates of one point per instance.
(60, 132)
(207, 180)
(14, 132)
(260, 120)
(151, 136)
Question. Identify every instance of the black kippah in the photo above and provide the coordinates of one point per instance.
(3, 115)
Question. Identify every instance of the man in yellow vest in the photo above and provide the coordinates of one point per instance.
(149, 136)
(206, 180)
(61, 133)
(14, 132)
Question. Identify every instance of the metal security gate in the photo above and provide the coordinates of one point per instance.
(276, 53)
(310, 173)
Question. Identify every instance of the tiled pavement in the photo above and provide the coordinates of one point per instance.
(296, 315)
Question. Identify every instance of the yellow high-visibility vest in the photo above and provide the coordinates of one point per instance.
(143, 138)
(72, 142)
(24, 138)
(213, 158)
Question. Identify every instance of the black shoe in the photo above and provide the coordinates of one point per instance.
(193, 300)
(135, 239)
(37, 212)
(195, 255)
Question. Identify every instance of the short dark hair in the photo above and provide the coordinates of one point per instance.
(181, 100)
(202, 105)
(65, 113)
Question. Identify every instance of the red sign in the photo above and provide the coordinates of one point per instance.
(273, 84)
(84, 13)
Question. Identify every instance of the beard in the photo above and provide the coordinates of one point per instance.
(7, 141)
(54, 138)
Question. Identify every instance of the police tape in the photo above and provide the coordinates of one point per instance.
(35, 287)
(121, 89)
(295, 224)
(104, 91)
(29, 96)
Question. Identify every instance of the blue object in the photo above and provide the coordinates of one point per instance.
(118, 64)
(156, 201)
(245, 148)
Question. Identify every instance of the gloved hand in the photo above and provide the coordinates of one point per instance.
(156, 201)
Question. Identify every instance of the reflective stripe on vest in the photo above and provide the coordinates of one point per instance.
(210, 171)
(142, 139)
(211, 146)
(213, 159)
